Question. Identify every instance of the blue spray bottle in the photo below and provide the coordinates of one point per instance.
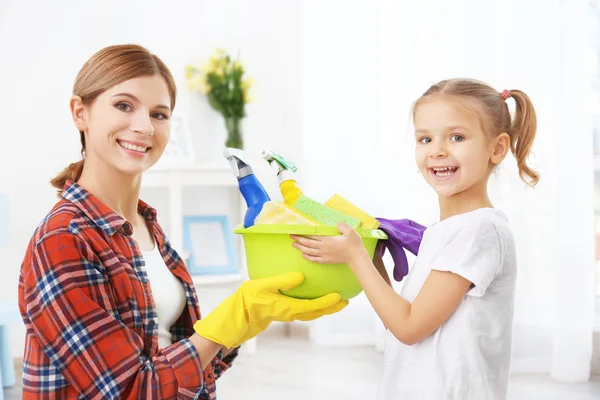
(253, 192)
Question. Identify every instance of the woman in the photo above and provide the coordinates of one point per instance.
(109, 307)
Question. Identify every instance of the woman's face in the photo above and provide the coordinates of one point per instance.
(127, 127)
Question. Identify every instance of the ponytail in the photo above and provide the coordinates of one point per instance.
(71, 172)
(522, 133)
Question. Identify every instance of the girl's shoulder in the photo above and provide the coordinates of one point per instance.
(483, 222)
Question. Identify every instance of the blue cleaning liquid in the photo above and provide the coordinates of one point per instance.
(255, 196)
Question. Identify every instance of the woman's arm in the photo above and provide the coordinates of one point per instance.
(64, 299)
(206, 349)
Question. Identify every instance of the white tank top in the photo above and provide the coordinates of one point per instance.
(168, 294)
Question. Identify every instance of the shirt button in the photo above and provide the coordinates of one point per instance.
(127, 228)
(151, 323)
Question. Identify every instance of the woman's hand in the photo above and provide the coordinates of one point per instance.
(257, 303)
(347, 248)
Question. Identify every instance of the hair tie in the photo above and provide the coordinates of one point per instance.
(505, 94)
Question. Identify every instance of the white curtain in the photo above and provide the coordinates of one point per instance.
(359, 82)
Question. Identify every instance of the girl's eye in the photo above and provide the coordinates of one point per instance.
(424, 140)
(123, 107)
(457, 138)
(160, 116)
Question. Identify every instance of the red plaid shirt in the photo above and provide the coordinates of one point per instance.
(90, 318)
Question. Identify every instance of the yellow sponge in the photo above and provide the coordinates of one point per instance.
(337, 202)
(274, 212)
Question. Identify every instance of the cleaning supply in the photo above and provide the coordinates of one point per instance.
(269, 252)
(325, 215)
(286, 173)
(337, 202)
(402, 234)
(274, 212)
(253, 192)
(256, 304)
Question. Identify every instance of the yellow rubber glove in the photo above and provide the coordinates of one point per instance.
(256, 304)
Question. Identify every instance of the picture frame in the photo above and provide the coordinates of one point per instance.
(180, 149)
(208, 242)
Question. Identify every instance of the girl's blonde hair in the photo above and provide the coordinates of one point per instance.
(492, 110)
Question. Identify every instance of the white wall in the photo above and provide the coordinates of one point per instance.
(43, 45)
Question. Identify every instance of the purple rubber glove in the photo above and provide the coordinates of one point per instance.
(402, 234)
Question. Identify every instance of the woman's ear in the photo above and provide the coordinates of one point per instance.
(501, 148)
(78, 113)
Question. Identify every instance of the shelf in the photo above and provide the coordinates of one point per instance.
(207, 174)
(216, 279)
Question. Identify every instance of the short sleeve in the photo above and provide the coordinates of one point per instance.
(473, 252)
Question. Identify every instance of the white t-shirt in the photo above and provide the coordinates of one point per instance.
(168, 293)
(467, 357)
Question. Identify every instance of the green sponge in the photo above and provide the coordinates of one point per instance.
(323, 214)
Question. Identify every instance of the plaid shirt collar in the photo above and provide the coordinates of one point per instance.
(100, 214)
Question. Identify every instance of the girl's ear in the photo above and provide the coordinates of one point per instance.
(501, 148)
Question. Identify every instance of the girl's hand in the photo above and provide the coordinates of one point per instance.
(345, 249)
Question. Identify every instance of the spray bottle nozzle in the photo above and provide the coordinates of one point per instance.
(282, 163)
(238, 162)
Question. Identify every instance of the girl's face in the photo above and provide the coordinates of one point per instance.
(127, 127)
(452, 151)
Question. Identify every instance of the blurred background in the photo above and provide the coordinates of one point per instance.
(333, 83)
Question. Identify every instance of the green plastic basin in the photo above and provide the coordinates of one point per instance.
(269, 252)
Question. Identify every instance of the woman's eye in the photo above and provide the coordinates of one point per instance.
(160, 116)
(457, 138)
(123, 107)
(424, 140)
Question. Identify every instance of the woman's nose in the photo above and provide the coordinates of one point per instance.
(142, 124)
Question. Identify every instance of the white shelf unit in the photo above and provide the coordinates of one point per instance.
(210, 176)
(165, 189)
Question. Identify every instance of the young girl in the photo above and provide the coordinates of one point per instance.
(452, 321)
(109, 307)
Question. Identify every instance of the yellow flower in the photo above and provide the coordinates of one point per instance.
(211, 66)
(189, 71)
(246, 95)
(247, 83)
(205, 87)
(238, 65)
(198, 83)
(219, 72)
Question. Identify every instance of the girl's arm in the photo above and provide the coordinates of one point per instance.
(410, 323)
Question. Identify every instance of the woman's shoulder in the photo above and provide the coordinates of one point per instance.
(56, 239)
(64, 219)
